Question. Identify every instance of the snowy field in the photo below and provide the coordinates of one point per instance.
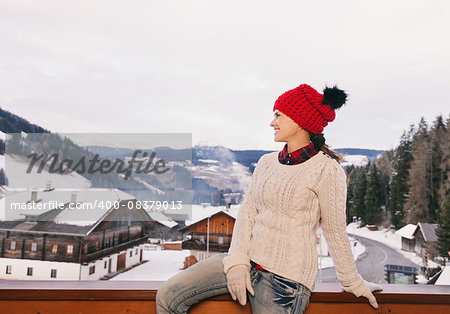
(161, 265)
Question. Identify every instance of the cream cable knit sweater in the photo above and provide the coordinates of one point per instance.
(276, 224)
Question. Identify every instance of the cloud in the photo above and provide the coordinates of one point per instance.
(214, 69)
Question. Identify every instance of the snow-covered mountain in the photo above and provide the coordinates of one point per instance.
(217, 172)
(354, 160)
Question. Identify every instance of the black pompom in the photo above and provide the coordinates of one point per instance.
(334, 97)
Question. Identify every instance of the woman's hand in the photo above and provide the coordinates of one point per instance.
(364, 289)
(238, 282)
(368, 293)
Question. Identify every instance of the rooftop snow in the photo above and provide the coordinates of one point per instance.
(200, 212)
(92, 204)
(16, 166)
(407, 231)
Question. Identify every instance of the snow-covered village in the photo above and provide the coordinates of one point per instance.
(59, 226)
(68, 240)
(232, 157)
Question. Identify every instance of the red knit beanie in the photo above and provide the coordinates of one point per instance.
(308, 108)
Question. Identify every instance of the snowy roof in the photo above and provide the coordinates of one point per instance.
(407, 231)
(444, 278)
(92, 204)
(200, 212)
(428, 231)
(16, 170)
(162, 219)
(89, 208)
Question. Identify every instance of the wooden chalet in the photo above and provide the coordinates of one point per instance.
(420, 239)
(74, 244)
(210, 235)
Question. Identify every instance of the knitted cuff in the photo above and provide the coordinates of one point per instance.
(357, 289)
(233, 260)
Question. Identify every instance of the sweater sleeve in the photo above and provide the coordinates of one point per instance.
(238, 254)
(332, 193)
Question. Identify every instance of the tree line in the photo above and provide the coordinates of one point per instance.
(407, 184)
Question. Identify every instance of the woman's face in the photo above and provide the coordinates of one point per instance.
(285, 128)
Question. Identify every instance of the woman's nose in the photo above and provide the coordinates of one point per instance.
(273, 123)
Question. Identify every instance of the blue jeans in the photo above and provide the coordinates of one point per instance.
(273, 293)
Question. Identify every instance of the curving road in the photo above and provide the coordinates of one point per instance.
(371, 267)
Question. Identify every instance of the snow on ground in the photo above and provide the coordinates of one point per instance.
(161, 265)
(149, 186)
(389, 238)
(358, 250)
(444, 278)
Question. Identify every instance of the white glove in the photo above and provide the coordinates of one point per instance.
(238, 282)
(368, 293)
(365, 289)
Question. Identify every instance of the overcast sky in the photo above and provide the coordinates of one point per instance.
(215, 68)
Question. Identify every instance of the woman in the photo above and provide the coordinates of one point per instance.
(273, 252)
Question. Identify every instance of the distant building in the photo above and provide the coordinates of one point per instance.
(407, 235)
(173, 245)
(419, 238)
(424, 234)
(76, 241)
(210, 235)
(426, 239)
(163, 227)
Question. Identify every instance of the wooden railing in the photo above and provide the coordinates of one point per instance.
(139, 297)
